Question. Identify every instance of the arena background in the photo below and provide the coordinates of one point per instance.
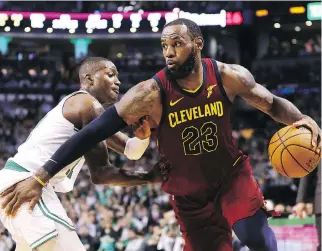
(42, 44)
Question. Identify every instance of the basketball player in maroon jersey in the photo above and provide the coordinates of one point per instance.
(188, 103)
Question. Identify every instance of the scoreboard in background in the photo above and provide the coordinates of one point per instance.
(51, 21)
(314, 11)
(295, 13)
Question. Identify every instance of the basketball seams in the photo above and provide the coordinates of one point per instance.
(281, 136)
(281, 158)
(285, 140)
(285, 147)
(304, 148)
(275, 150)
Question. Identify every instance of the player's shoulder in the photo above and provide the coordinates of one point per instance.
(148, 86)
(213, 62)
(233, 70)
(81, 107)
(160, 76)
(81, 101)
(223, 69)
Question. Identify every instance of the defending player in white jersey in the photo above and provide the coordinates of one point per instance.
(47, 227)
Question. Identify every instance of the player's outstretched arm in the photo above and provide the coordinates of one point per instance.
(135, 104)
(132, 177)
(82, 109)
(87, 109)
(140, 100)
(237, 80)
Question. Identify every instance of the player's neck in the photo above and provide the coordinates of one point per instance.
(90, 93)
(193, 80)
(85, 89)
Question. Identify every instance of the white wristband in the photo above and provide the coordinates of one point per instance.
(135, 148)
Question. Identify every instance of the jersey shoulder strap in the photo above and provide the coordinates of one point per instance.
(63, 101)
(73, 94)
(165, 86)
(161, 79)
(215, 72)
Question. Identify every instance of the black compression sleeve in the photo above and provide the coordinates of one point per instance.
(98, 130)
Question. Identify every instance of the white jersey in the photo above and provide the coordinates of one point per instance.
(49, 134)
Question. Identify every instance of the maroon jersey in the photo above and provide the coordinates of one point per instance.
(195, 133)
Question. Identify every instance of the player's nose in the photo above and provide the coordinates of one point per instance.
(117, 82)
(170, 52)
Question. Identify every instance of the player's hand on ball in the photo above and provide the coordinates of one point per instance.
(313, 126)
(28, 190)
(142, 128)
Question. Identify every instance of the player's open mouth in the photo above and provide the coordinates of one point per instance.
(116, 91)
(171, 65)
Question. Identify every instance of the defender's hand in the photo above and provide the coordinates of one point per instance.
(28, 190)
(156, 174)
(142, 128)
(315, 129)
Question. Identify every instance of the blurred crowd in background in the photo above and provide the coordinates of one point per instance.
(35, 76)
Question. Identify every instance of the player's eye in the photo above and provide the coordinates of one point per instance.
(111, 75)
(164, 46)
(177, 44)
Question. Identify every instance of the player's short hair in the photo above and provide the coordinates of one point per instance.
(91, 65)
(193, 28)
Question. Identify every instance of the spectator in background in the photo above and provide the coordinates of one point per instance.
(86, 239)
(155, 214)
(136, 241)
(107, 243)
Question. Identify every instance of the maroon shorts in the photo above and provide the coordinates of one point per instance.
(206, 218)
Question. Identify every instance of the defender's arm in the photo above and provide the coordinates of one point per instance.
(135, 104)
(81, 110)
(101, 170)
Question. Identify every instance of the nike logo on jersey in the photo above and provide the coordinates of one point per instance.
(209, 89)
(172, 103)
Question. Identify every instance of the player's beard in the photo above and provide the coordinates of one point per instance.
(183, 70)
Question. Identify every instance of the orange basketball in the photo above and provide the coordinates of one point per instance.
(291, 152)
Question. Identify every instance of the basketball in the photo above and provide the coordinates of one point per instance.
(291, 152)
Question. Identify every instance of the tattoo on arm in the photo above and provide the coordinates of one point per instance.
(245, 78)
(138, 101)
(258, 96)
(284, 111)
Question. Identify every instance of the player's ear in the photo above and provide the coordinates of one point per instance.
(199, 42)
(89, 80)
